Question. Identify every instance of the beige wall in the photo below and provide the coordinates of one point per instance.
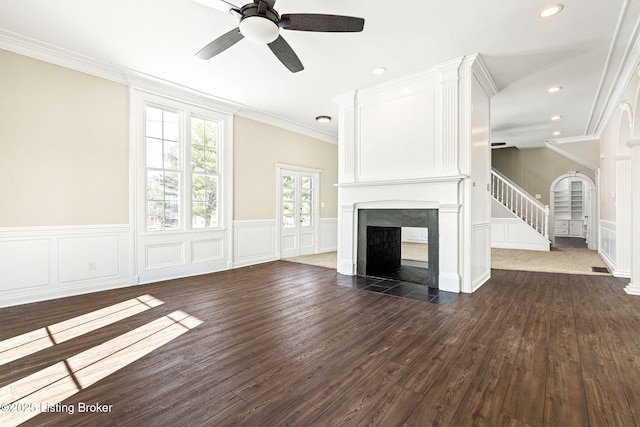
(257, 148)
(64, 151)
(535, 169)
(63, 146)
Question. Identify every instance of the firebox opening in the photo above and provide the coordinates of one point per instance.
(399, 244)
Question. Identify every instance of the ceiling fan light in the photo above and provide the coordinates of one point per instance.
(551, 10)
(259, 29)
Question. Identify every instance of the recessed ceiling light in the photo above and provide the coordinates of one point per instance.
(556, 118)
(551, 10)
(323, 119)
(557, 133)
(554, 89)
(379, 70)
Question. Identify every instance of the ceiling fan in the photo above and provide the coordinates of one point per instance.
(260, 23)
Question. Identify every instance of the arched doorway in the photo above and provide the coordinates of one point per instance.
(573, 209)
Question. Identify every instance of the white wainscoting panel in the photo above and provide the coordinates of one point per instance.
(40, 263)
(207, 250)
(513, 233)
(328, 241)
(254, 242)
(169, 255)
(607, 246)
(86, 258)
(164, 255)
(24, 263)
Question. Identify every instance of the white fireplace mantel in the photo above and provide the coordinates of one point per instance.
(422, 141)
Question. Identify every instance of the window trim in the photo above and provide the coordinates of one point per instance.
(140, 100)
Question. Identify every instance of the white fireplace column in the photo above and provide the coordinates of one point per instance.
(450, 262)
(634, 285)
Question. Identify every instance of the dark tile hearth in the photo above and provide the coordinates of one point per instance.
(399, 288)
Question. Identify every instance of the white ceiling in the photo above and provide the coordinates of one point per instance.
(582, 49)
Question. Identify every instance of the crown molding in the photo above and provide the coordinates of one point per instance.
(627, 68)
(157, 86)
(55, 55)
(571, 139)
(147, 83)
(571, 156)
(273, 120)
(483, 75)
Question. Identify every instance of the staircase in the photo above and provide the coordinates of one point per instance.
(531, 213)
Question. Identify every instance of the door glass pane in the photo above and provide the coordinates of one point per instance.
(288, 221)
(305, 220)
(288, 201)
(287, 194)
(288, 181)
(305, 208)
(306, 197)
(288, 208)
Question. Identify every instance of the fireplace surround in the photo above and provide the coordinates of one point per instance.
(420, 142)
(380, 242)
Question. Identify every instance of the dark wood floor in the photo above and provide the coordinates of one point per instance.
(284, 344)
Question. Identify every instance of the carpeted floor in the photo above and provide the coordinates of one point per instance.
(558, 260)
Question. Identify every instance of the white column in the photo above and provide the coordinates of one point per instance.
(346, 239)
(449, 278)
(634, 285)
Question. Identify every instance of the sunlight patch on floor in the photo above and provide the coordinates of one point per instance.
(54, 384)
(31, 342)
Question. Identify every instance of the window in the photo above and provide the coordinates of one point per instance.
(180, 197)
(204, 168)
(163, 169)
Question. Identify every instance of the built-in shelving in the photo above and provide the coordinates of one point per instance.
(569, 208)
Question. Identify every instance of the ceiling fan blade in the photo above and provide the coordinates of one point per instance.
(322, 23)
(222, 6)
(286, 55)
(220, 44)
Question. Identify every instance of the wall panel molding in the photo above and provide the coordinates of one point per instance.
(254, 242)
(607, 245)
(40, 263)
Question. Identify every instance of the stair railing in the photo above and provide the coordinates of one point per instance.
(521, 203)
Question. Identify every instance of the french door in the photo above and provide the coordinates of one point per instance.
(297, 211)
